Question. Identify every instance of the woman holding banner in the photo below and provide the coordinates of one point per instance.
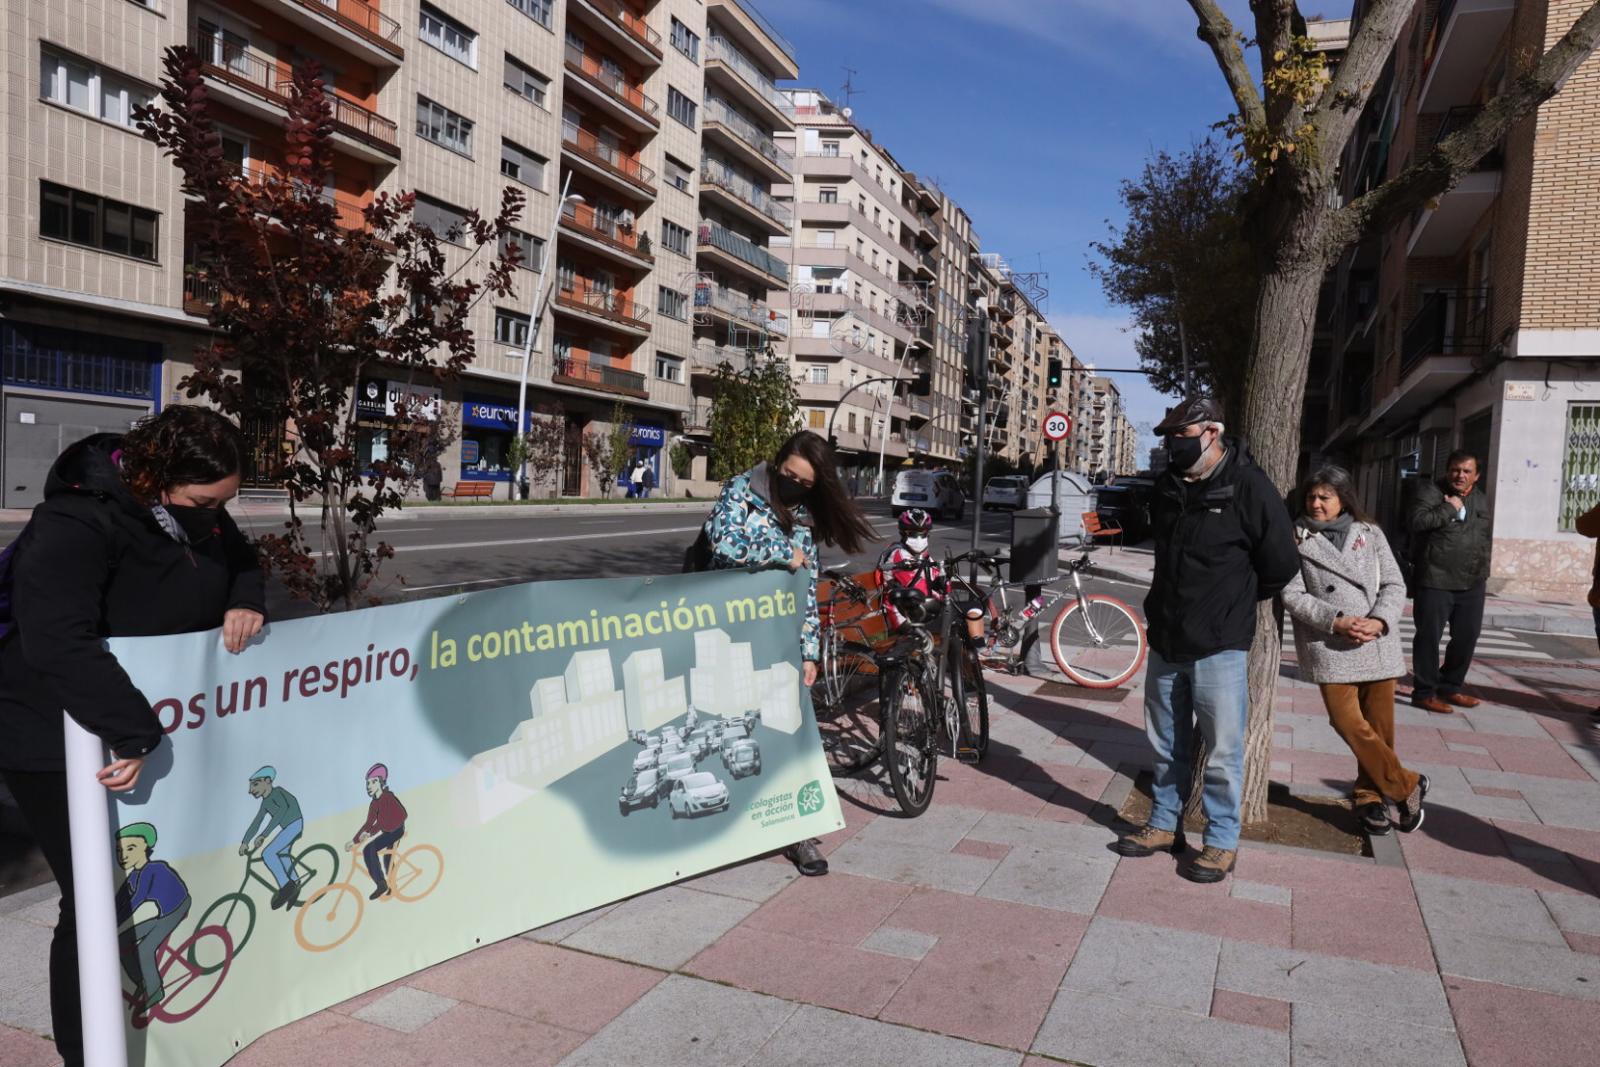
(132, 539)
(773, 515)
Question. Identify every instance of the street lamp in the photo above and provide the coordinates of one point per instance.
(535, 315)
(1139, 196)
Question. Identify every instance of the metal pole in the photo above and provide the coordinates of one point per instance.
(535, 315)
(980, 367)
(888, 416)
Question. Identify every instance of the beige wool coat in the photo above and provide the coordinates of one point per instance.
(1361, 580)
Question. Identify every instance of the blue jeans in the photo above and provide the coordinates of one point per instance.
(1214, 693)
(276, 854)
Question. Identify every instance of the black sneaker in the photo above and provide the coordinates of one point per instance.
(381, 890)
(1411, 807)
(807, 858)
(278, 897)
(1375, 819)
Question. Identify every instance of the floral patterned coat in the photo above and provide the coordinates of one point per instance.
(744, 532)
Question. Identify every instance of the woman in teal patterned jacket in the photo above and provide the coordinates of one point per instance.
(773, 515)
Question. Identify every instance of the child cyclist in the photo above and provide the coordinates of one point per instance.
(908, 562)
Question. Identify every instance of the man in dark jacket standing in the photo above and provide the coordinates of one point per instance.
(1450, 522)
(1223, 541)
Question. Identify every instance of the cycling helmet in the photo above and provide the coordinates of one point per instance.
(915, 520)
(378, 771)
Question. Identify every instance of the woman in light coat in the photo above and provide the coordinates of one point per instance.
(1346, 604)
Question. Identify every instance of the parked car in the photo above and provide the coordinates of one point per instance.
(696, 794)
(1125, 506)
(642, 790)
(647, 758)
(742, 758)
(704, 738)
(678, 767)
(733, 732)
(936, 491)
(1006, 491)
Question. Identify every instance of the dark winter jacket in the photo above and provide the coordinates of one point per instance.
(93, 563)
(1220, 545)
(1450, 553)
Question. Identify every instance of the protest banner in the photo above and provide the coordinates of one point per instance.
(357, 797)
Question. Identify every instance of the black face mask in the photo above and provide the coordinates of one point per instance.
(790, 491)
(198, 523)
(1183, 453)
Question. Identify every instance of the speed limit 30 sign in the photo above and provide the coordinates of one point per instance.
(1057, 426)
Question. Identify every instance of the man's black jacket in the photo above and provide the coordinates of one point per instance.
(1220, 545)
(94, 563)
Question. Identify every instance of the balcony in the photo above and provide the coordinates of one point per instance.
(1449, 321)
(745, 197)
(623, 25)
(928, 264)
(738, 73)
(608, 162)
(349, 213)
(745, 138)
(607, 306)
(1462, 41)
(257, 83)
(816, 211)
(698, 419)
(706, 357)
(742, 253)
(354, 25)
(623, 98)
(200, 292)
(602, 377)
(604, 234)
(1442, 229)
(735, 306)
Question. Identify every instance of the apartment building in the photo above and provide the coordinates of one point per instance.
(1473, 324)
(650, 118)
(1110, 433)
(1077, 402)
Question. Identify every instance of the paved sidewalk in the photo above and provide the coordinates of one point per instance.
(999, 929)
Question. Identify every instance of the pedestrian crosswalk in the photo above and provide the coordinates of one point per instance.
(1492, 644)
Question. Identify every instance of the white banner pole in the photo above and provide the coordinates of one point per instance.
(99, 980)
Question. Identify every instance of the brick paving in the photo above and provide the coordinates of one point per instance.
(1000, 929)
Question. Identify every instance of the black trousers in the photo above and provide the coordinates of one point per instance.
(42, 798)
(1462, 609)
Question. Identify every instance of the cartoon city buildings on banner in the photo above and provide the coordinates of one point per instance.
(581, 715)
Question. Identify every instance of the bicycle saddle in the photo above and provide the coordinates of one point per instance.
(896, 653)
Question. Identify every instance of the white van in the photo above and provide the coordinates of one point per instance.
(1006, 491)
(936, 492)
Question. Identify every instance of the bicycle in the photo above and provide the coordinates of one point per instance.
(239, 910)
(171, 1008)
(412, 875)
(1098, 641)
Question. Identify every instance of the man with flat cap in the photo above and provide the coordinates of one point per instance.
(1223, 541)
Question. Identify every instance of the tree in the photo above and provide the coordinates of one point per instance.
(304, 309)
(754, 411)
(682, 460)
(1291, 129)
(1183, 265)
(608, 452)
(542, 449)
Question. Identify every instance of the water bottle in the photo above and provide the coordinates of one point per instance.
(1032, 608)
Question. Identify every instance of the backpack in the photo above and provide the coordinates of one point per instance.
(8, 564)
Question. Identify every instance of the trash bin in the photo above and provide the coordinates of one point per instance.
(1034, 549)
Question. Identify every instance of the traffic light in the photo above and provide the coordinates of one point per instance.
(1053, 374)
(922, 384)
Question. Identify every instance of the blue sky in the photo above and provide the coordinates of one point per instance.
(1028, 113)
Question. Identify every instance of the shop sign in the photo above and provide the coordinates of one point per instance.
(647, 436)
(491, 415)
(469, 453)
(377, 398)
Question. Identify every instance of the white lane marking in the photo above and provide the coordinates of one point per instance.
(542, 540)
(509, 580)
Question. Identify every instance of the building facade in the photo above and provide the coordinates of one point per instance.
(1473, 324)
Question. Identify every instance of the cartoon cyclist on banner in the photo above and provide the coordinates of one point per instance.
(386, 822)
(279, 811)
(151, 902)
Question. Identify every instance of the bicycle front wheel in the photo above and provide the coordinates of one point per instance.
(316, 867)
(1099, 642)
(329, 918)
(911, 751)
(235, 914)
(971, 695)
(416, 873)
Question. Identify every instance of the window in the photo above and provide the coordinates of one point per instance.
(685, 40)
(521, 165)
(675, 237)
(526, 82)
(439, 124)
(861, 248)
(531, 248)
(818, 375)
(1580, 464)
(877, 216)
(830, 148)
(447, 223)
(680, 107)
(537, 10)
(852, 423)
(669, 368)
(510, 327)
(678, 174)
(828, 194)
(816, 418)
(96, 222)
(671, 303)
(87, 88)
(826, 238)
(448, 36)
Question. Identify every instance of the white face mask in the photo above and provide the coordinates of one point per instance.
(917, 544)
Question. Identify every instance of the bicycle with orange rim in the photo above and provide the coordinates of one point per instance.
(331, 915)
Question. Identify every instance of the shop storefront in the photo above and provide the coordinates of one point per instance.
(647, 441)
(486, 434)
(382, 435)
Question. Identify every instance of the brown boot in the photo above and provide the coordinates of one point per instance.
(1147, 841)
(1212, 865)
(1462, 700)
(1435, 705)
